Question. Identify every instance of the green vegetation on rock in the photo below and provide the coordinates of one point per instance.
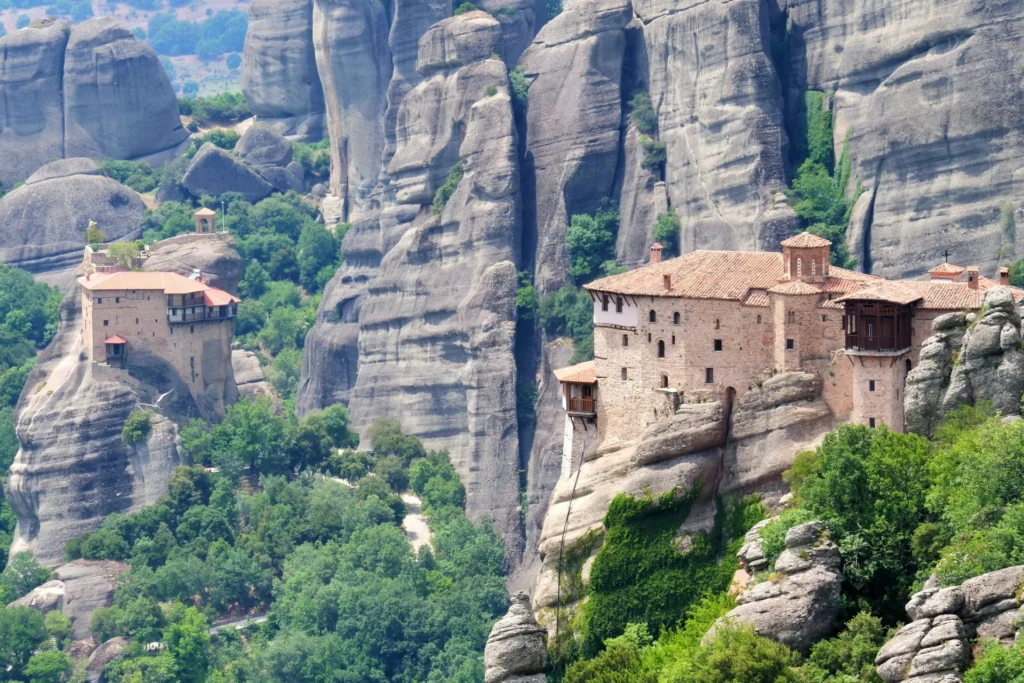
(445, 192)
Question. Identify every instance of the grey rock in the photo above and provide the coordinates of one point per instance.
(946, 601)
(907, 641)
(950, 655)
(352, 56)
(517, 645)
(118, 101)
(751, 554)
(32, 115)
(457, 42)
(990, 588)
(643, 198)
(215, 258)
(279, 73)
(282, 179)
(572, 151)
(46, 598)
(64, 168)
(250, 379)
(103, 655)
(1000, 626)
(88, 586)
(262, 145)
(694, 427)
(518, 26)
(214, 171)
(45, 221)
(951, 629)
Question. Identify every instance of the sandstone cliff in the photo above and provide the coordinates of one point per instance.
(91, 91)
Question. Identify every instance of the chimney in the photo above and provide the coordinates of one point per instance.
(1004, 276)
(656, 253)
(668, 282)
(972, 276)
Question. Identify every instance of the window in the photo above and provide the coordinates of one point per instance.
(871, 331)
(709, 375)
(814, 267)
(718, 345)
(105, 323)
(191, 329)
(625, 340)
(588, 391)
(791, 317)
(99, 300)
(871, 385)
(661, 348)
(799, 266)
(618, 304)
(790, 344)
(758, 320)
(718, 323)
(117, 299)
(675, 318)
(649, 339)
(624, 374)
(604, 302)
(871, 422)
(664, 381)
(824, 318)
(653, 317)
(136, 321)
(673, 340)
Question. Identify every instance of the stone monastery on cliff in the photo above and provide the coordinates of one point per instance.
(712, 325)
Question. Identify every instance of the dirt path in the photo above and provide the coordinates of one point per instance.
(415, 524)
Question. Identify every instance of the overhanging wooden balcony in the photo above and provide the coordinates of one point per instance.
(581, 407)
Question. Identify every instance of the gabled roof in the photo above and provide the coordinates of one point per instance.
(795, 287)
(116, 339)
(940, 295)
(806, 240)
(168, 283)
(889, 292)
(946, 269)
(584, 373)
(205, 212)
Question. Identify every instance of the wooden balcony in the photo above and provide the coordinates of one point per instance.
(581, 407)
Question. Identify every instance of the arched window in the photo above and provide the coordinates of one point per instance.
(799, 267)
(604, 302)
(661, 348)
(664, 381)
(618, 304)
(814, 267)
(653, 317)
(625, 340)
(675, 318)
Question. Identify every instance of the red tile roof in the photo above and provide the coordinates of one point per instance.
(168, 283)
(806, 240)
(933, 295)
(946, 269)
(116, 339)
(584, 373)
(796, 288)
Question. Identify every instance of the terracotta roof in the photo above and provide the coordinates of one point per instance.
(584, 373)
(203, 212)
(892, 292)
(724, 275)
(946, 269)
(934, 295)
(795, 287)
(168, 283)
(116, 339)
(806, 240)
(757, 298)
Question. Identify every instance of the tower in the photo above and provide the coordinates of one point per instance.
(206, 221)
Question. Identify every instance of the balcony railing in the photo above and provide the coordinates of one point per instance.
(201, 315)
(581, 406)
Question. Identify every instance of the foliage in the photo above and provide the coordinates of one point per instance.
(591, 240)
(93, 235)
(445, 192)
(850, 656)
(491, 90)
(20, 576)
(738, 655)
(813, 139)
(387, 438)
(219, 33)
(315, 158)
(519, 89)
(655, 153)
(219, 137)
(642, 113)
(869, 487)
(997, 664)
(21, 633)
(774, 533)
(640, 573)
(136, 428)
(569, 312)
(666, 232)
(48, 666)
(224, 107)
(138, 175)
(554, 8)
(124, 254)
(527, 300)
(465, 7)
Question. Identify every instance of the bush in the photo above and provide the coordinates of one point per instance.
(655, 154)
(997, 664)
(445, 192)
(491, 91)
(666, 232)
(643, 115)
(137, 175)
(569, 312)
(774, 533)
(520, 90)
(136, 428)
(738, 655)
(314, 157)
(465, 7)
(851, 653)
(591, 240)
(222, 108)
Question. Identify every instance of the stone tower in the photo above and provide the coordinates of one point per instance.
(206, 221)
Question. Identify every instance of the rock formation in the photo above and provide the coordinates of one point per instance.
(516, 650)
(970, 358)
(214, 256)
(935, 645)
(46, 219)
(270, 155)
(214, 171)
(250, 379)
(94, 91)
(279, 75)
(799, 604)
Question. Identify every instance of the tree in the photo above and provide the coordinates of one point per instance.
(21, 632)
(234, 61)
(22, 574)
(318, 248)
(336, 422)
(188, 641)
(591, 240)
(445, 192)
(93, 235)
(136, 428)
(123, 253)
(48, 667)
(666, 232)
(387, 438)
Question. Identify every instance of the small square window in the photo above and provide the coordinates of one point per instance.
(790, 344)
(624, 375)
(106, 323)
(709, 375)
(718, 345)
(871, 385)
(871, 422)
(136, 321)
(824, 318)
(99, 300)
(117, 299)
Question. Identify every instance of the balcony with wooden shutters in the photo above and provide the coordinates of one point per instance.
(579, 389)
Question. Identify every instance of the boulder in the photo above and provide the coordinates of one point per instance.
(519, 25)
(751, 554)
(261, 145)
(282, 179)
(694, 427)
(214, 171)
(118, 101)
(88, 586)
(64, 168)
(46, 598)
(214, 256)
(32, 116)
(516, 650)
(250, 379)
(45, 220)
(799, 605)
(103, 655)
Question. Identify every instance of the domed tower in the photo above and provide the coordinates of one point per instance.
(805, 258)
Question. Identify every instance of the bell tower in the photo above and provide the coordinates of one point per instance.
(806, 258)
(206, 221)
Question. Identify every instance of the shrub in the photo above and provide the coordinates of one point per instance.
(851, 653)
(136, 428)
(738, 655)
(465, 7)
(569, 312)
(520, 90)
(314, 157)
(997, 664)
(590, 240)
(655, 154)
(93, 235)
(491, 91)
(643, 115)
(666, 232)
(222, 108)
(774, 533)
(445, 192)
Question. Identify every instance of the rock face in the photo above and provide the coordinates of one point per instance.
(798, 606)
(73, 469)
(46, 219)
(572, 149)
(214, 171)
(970, 358)
(77, 590)
(350, 39)
(103, 655)
(935, 645)
(270, 155)
(250, 379)
(215, 257)
(516, 650)
(94, 92)
(279, 75)
(118, 101)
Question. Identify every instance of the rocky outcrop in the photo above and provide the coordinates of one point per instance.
(279, 74)
(935, 646)
(270, 155)
(518, 25)
(251, 380)
(46, 219)
(436, 323)
(350, 39)
(799, 604)
(94, 91)
(214, 171)
(751, 553)
(103, 655)
(73, 469)
(213, 256)
(77, 590)
(516, 650)
(118, 101)
(573, 124)
(970, 358)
